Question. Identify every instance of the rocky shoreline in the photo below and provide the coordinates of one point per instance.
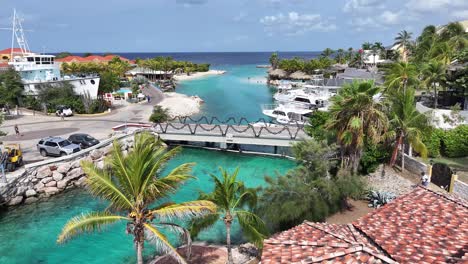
(41, 182)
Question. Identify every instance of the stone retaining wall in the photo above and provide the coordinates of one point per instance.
(461, 189)
(46, 180)
(412, 164)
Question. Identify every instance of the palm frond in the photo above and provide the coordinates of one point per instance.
(253, 227)
(184, 210)
(160, 241)
(199, 224)
(100, 184)
(88, 222)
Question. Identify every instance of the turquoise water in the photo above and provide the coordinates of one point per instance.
(232, 94)
(28, 233)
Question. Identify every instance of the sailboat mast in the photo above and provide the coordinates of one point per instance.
(13, 29)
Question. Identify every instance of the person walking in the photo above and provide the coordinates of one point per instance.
(17, 130)
(62, 116)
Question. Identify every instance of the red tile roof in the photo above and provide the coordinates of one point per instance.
(8, 51)
(321, 243)
(422, 226)
(92, 58)
(419, 227)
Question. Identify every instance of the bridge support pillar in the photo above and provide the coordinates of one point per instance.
(275, 149)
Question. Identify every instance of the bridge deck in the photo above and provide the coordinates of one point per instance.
(238, 134)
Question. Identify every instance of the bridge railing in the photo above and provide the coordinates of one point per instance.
(261, 128)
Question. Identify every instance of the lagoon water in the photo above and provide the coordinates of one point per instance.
(28, 233)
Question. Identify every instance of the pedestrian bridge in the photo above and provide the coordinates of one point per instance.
(230, 131)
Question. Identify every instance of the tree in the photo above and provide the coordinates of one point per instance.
(11, 87)
(311, 191)
(434, 73)
(317, 126)
(366, 46)
(400, 75)
(62, 55)
(454, 34)
(159, 115)
(233, 201)
(407, 125)
(327, 52)
(340, 56)
(132, 184)
(274, 60)
(356, 115)
(403, 40)
(109, 82)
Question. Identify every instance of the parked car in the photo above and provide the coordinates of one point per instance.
(66, 110)
(56, 146)
(84, 140)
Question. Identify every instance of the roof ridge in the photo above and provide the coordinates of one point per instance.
(330, 233)
(380, 256)
(351, 250)
(372, 241)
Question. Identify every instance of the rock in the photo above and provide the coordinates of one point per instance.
(74, 174)
(44, 172)
(47, 180)
(81, 182)
(20, 191)
(62, 184)
(51, 190)
(248, 249)
(51, 184)
(96, 154)
(64, 168)
(16, 200)
(30, 193)
(30, 200)
(75, 164)
(34, 180)
(100, 164)
(57, 176)
(38, 187)
(107, 149)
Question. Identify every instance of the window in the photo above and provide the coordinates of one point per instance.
(281, 113)
(92, 82)
(51, 144)
(41, 142)
(64, 143)
(300, 99)
(30, 59)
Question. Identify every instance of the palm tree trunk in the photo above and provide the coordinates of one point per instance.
(402, 156)
(139, 246)
(228, 222)
(395, 150)
(435, 96)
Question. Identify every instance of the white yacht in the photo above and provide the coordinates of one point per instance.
(309, 97)
(287, 113)
(38, 69)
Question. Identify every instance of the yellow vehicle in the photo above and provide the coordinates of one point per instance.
(15, 157)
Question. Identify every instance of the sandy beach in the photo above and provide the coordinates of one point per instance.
(181, 104)
(197, 75)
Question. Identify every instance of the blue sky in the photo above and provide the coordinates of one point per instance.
(221, 25)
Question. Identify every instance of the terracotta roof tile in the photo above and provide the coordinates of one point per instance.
(420, 226)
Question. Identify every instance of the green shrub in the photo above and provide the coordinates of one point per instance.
(455, 142)
(433, 142)
(159, 115)
(373, 155)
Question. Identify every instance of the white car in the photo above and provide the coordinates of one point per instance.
(65, 110)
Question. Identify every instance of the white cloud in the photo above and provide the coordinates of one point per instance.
(390, 18)
(434, 5)
(460, 14)
(361, 6)
(294, 23)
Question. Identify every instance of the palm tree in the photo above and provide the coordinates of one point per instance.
(366, 46)
(274, 60)
(233, 200)
(132, 184)
(400, 75)
(357, 115)
(443, 52)
(408, 125)
(340, 56)
(403, 40)
(327, 52)
(434, 73)
(454, 33)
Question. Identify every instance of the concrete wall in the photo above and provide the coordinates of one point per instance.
(461, 189)
(412, 164)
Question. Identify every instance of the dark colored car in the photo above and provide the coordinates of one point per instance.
(84, 140)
